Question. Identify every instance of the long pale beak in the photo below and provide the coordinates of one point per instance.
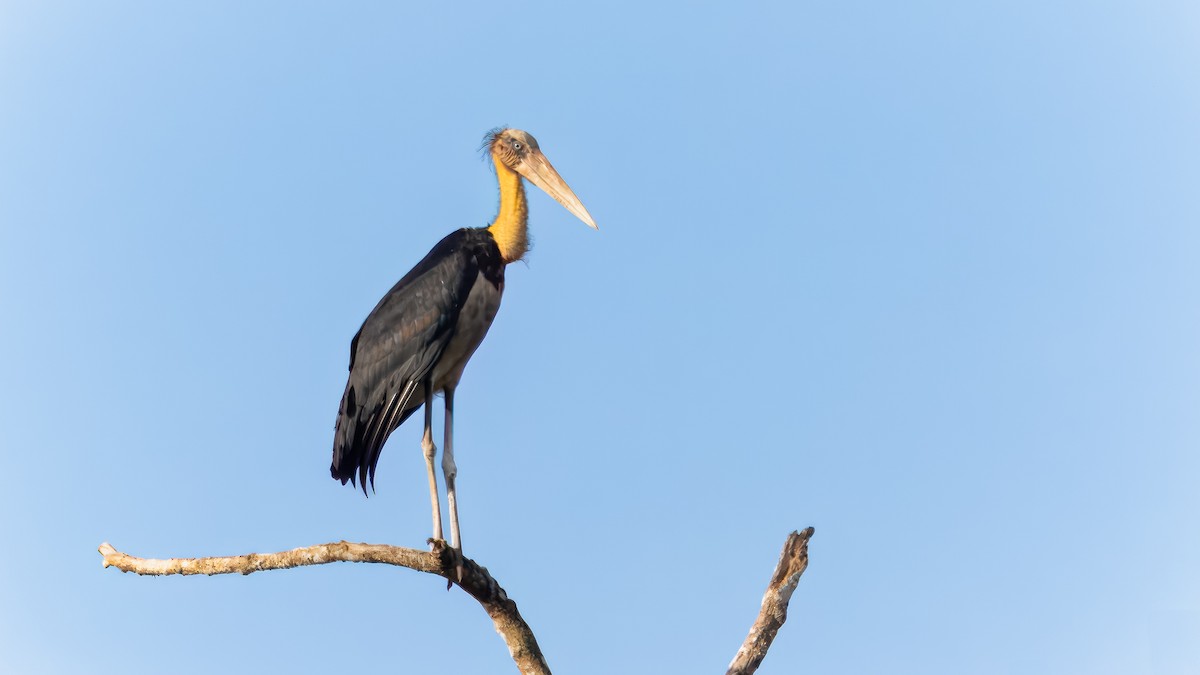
(537, 169)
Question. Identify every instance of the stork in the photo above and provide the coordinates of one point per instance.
(418, 339)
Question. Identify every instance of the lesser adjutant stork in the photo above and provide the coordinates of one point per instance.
(417, 340)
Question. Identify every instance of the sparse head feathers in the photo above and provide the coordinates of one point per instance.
(510, 146)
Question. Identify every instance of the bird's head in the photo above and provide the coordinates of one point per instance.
(519, 151)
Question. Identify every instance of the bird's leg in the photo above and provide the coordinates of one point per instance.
(430, 451)
(450, 470)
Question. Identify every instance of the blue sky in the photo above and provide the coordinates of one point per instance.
(921, 275)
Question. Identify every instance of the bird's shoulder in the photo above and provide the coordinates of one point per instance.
(468, 247)
(426, 300)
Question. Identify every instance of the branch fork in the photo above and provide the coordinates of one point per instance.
(473, 578)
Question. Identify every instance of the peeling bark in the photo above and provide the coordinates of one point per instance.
(792, 563)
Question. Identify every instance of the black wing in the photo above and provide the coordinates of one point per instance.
(396, 350)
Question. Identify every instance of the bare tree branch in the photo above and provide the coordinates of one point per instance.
(443, 561)
(792, 563)
(320, 554)
(479, 584)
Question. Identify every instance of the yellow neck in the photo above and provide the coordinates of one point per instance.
(509, 228)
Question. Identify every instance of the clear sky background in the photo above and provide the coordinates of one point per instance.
(922, 275)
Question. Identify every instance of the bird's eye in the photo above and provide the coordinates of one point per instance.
(517, 146)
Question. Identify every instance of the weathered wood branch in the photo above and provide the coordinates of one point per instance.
(479, 584)
(442, 561)
(792, 563)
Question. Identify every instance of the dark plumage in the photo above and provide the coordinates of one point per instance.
(403, 338)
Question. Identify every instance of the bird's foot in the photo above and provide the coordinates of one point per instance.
(456, 576)
(452, 559)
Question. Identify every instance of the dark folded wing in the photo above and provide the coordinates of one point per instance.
(395, 351)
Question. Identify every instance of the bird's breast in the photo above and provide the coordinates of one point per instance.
(474, 320)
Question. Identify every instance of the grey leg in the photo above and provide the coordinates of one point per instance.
(450, 470)
(430, 451)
